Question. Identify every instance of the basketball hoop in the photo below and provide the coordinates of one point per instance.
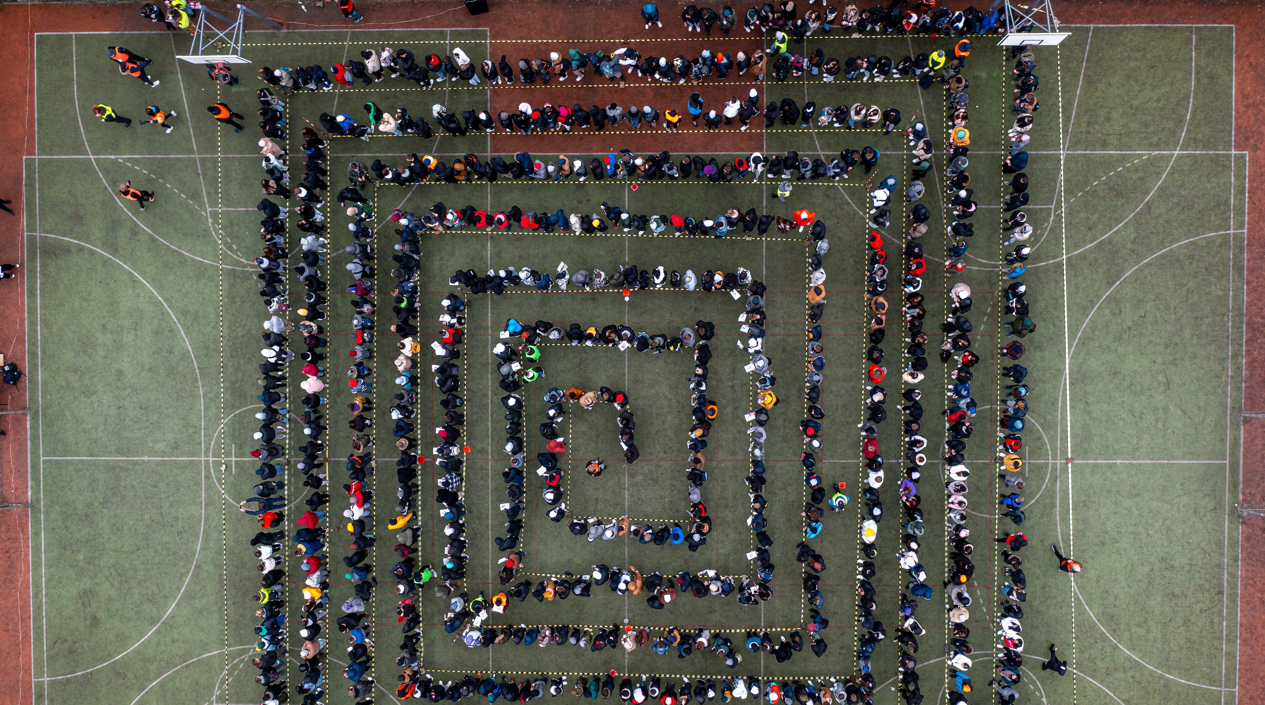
(1033, 24)
(207, 37)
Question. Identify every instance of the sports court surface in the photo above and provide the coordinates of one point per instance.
(141, 335)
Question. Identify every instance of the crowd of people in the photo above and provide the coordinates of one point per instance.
(562, 64)
(923, 18)
(369, 306)
(665, 690)
(925, 67)
(790, 166)
(518, 363)
(517, 366)
(1013, 397)
(548, 118)
(284, 359)
(609, 218)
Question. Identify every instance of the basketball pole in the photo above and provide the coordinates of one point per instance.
(206, 36)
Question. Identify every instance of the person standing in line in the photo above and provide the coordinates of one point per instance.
(134, 194)
(107, 114)
(1021, 327)
(265, 504)
(225, 115)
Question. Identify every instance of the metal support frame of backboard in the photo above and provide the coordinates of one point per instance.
(1034, 23)
(206, 36)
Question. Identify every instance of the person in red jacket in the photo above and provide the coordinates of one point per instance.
(349, 10)
(343, 76)
(1014, 541)
(1067, 565)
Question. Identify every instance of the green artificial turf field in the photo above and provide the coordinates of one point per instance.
(143, 330)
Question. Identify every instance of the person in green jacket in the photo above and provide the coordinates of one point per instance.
(1021, 327)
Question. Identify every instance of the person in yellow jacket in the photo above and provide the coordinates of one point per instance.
(783, 190)
(178, 15)
(766, 398)
(780, 42)
(107, 114)
(400, 522)
(936, 60)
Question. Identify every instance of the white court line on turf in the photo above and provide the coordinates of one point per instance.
(1131, 654)
(1071, 120)
(202, 521)
(1126, 275)
(39, 374)
(1189, 109)
(988, 656)
(78, 458)
(186, 663)
(114, 194)
(1229, 380)
(193, 141)
(1064, 138)
(1238, 608)
(1153, 462)
(211, 449)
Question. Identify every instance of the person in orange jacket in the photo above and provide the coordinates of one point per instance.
(224, 114)
(134, 194)
(803, 218)
(962, 50)
(122, 55)
(135, 70)
(158, 117)
(130, 63)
